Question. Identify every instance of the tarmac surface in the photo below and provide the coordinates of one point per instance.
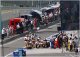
(7, 14)
(47, 52)
(19, 42)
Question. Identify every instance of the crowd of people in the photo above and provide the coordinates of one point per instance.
(19, 28)
(69, 42)
(34, 41)
(27, 25)
(33, 23)
(61, 40)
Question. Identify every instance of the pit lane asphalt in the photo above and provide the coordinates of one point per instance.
(19, 42)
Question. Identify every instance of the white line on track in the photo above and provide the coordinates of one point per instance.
(13, 41)
(8, 55)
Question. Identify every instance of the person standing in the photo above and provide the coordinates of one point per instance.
(35, 23)
(31, 26)
(3, 33)
(52, 43)
(76, 43)
(66, 42)
(26, 23)
(60, 41)
(7, 30)
(70, 44)
(18, 28)
(21, 27)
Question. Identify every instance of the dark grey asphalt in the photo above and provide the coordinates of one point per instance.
(11, 38)
(18, 43)
(15, 12)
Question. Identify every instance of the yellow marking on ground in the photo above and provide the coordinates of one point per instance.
(9, 11)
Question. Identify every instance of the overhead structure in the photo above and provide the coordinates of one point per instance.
(36, 14)
(53, 6)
